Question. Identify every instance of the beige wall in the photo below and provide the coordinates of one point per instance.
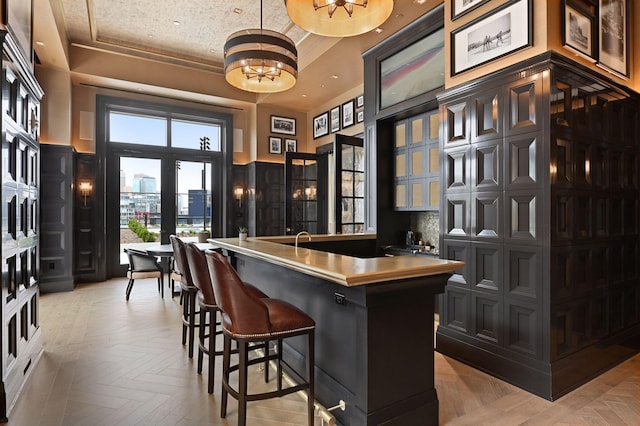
(337, 101)
(56, 106)
(264, 132)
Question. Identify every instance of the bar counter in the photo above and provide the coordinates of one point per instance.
(374, 322)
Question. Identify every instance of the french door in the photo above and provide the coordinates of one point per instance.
(151, 196)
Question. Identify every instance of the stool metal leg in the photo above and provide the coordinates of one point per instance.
(311, 376)
(212, 349)
(201, 338)
(226, 362)
(192, 321)
(242, 383)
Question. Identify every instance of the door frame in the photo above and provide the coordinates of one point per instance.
(107, 255)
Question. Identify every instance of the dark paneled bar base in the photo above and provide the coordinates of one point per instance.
(541, 201)
(374, 351)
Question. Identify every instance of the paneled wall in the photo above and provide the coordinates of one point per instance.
(20, 170)
(540, 200)
(56, 205)
(265, 199)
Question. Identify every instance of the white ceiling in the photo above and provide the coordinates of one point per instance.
(146, 28)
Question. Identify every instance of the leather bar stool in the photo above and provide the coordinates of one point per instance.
(197, 264)
(248, 319)
(188, 294)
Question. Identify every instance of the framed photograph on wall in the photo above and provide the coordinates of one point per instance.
(462, 7)
(275, 145)
(577, 30)
(334, 116)
(502, 31)
(321, 125)
(360, 101)
(290, 145)
(613, 36)
(283, 125)
(360, 117)
(348, 118)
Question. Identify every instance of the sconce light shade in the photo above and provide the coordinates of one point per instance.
(260, 61)
(339, 18)
(85, 188)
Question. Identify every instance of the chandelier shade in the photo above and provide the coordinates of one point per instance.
(260, 61)
(339, 18)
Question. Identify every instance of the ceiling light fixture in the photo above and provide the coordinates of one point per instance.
(260, 61)
(338, 18)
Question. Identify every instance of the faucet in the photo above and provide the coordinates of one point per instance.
(302, 233)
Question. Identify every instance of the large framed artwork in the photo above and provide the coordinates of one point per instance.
(462, 7)
(577, 30)
(414, 70)
(17, 17)
(498, 33)
(613, 31)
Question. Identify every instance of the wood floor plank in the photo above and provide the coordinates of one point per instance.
(111, 362)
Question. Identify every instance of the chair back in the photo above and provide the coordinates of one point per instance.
(242, 312)
(141, 261)
(197, 264)
(180, 258)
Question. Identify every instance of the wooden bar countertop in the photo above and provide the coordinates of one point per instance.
(345, 270)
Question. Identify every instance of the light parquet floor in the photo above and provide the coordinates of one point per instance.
(109, 362)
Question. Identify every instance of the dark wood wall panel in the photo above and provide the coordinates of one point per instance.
(56, 202)
(20, 172)
(523, 161)
(486, 166)
(546, 220)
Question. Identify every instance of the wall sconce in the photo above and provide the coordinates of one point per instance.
(238, 192)
(85, 188)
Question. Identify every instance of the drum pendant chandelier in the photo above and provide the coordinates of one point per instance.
(260, 61)
(339, 18)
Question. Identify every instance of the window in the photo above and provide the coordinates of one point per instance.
(138, 129)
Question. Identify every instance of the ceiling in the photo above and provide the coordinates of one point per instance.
(192, 33)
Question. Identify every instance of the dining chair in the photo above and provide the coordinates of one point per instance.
(143, 265)
(247, 319)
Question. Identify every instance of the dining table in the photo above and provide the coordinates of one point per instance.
(165, 253)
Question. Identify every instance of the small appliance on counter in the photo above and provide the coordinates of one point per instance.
(410, 238)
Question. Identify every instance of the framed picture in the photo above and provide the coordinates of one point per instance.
(17, 17)
(348, 118)
(290, 145)
(613, 40)
(577, 31)
(321, 125)
(275, 145)
(413, 70)
(282, 125)
(360, 117)
(504, 30)
(462, 7)
(360, 101)
(334, 116)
